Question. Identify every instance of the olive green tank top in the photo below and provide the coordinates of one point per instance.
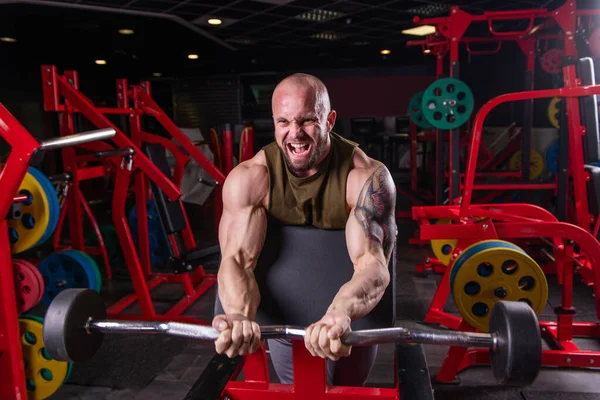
(318, 200)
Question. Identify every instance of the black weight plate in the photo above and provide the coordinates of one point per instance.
(517, 359)
(65, 336)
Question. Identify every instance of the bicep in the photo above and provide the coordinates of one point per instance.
(241, 234)
(371, 227)
(243, 224)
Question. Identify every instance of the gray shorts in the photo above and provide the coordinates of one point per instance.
(347, 371)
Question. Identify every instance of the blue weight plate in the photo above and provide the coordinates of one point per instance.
(54, 208)
(52, 203)
(159, 249)
(153, 221)
(63, 270)
(474, 250)
(552, 157)
(88, 264)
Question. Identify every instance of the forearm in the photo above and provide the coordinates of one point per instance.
(361, 294)
(238, 290)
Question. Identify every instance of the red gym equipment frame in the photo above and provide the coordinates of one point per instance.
(309, 381)
(127, 166)
(449, 34)
(23, 148)
(473, 223)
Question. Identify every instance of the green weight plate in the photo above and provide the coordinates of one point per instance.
(416, 113)
(447, 103)
(94, 266)
(88, 264)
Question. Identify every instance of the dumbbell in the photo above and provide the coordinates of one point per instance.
(76, 322)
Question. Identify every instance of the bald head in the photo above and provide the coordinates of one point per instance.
(303, 119)
(308, 85)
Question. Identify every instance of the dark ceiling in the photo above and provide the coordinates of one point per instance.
(255, 35)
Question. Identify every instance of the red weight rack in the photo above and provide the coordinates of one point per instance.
(450, 33)
(130, 168)
(25, 149)
(473, 223)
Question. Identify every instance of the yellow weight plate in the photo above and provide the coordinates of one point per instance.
(443, 248)
(43, 375)
(536, 167)
(25, 232)
(554, 112)
(494, 270)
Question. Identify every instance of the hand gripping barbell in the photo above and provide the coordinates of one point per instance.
(76, 321)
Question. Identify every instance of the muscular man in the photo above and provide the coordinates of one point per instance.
(308, 176)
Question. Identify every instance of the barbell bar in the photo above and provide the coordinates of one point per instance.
(78, 139)
(367, 337)
(76, 322)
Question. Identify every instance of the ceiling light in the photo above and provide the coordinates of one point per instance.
(193, 56)
(240, 41)
(126, 31)
(8, 39)
(535, 29)
(157, 74)
(319, 15)
(385, 52)
(215, 21)
(325, 36)
(101, 62)
(427, 51)
(422, 30)
(428, 10)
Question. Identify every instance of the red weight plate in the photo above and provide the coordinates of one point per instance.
(27, 285)
(595, 43)
(38, 274)
(551, 61)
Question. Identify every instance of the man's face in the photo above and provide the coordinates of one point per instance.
(300, 132)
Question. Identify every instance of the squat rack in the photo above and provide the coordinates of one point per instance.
(473, 223)
(449, 34)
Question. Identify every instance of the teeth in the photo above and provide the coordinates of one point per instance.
(299, 148)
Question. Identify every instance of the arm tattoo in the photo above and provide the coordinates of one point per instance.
(374, 209)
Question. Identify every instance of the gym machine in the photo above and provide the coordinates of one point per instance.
(135, 159)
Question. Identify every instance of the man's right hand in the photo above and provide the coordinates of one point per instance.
(239, 336)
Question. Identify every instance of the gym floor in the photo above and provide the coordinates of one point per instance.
(159, 367)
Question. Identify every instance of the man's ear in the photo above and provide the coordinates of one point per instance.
(331, 120)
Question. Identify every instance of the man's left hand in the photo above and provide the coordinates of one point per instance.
(323, 338)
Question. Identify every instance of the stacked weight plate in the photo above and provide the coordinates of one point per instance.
(38, 215)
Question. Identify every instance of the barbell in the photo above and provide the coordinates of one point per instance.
(76, 322)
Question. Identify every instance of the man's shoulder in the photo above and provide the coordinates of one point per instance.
(364, 166)
(248, 181)
(367, 172)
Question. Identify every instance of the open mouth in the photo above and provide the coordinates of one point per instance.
(298, 149)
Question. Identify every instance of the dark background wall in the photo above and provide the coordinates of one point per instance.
(239, 97)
